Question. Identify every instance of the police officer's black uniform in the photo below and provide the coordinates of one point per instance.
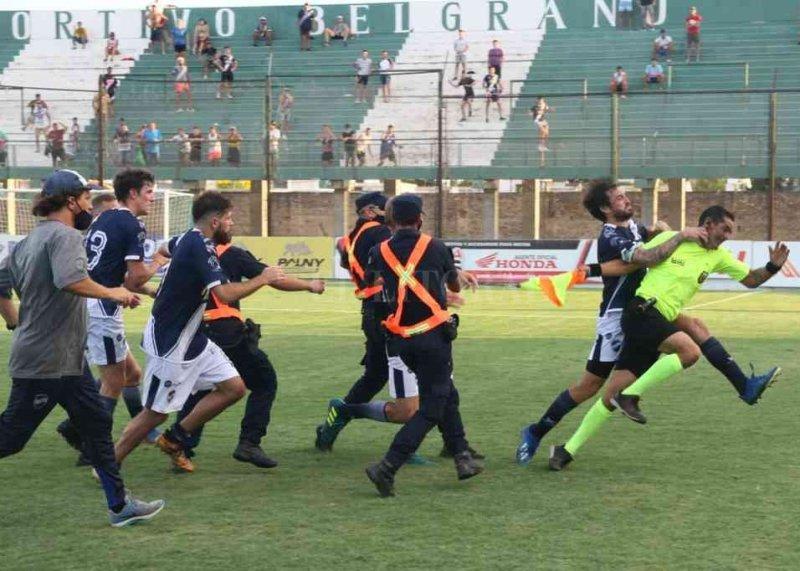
(427, 353)
(238, 338)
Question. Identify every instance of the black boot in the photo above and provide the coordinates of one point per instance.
(382, 475)
(466, 465)
(249, 452)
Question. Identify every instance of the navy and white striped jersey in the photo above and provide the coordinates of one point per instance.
(618, 243)
(173, 329)
(114, 238)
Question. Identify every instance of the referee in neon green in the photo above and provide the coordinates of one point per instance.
(649, 328)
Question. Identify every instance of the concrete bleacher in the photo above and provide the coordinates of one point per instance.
(672, 131)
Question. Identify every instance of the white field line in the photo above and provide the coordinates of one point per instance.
(723, 300)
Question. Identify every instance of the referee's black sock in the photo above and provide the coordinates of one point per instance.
(553, 415)
(717, 355)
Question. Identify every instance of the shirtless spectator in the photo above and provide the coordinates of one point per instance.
(339, 31)
(158, 25)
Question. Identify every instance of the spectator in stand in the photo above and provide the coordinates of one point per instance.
(340, 31)
(263, 32)
(388, 146)
(305, 23)
(363, 66)
(210, 58)
(364, 146)
(112, 47)
(385, 66)
(139, 159)
(662, 46)
(122, 138)
(693, 21)
(467, 82)
(648, 13)
(74, 138)
(653, 74)
(460, 48)
(214, 146)
(39, 118)
(619, 82)
(285, 104)
(181, 139)
(152, 144)
(496, 58)
(158, 23)
(234, 147)
(182, 84)
(349, 140)
(491, 83)
(180, 37)
(274, 137)
(625, 14)
(55, 139)
(110, 84)
(196, 142)
(201, 34)
(539, 113)
(326, 139)
(79, 36)
(3, 149)
(227, 64)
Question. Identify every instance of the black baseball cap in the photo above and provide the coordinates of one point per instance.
(371, 198)
(65, 181)
(406, 207)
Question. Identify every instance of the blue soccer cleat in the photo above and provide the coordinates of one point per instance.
(135, 511)
(527, 447)
(755, 386)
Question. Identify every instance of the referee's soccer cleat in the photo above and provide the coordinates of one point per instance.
(467, 465)
(755, 386)
(135, 511)
(559, 458)
(445, 453)
(70, 434)
(382, 476)
(527, 447)
(629, 406)
(180, 462)
(252, 453)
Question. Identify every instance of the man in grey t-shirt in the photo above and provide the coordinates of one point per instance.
(461, 47)
(363, 67)
(47, 269)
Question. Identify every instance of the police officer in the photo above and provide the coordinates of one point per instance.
(416, 270)
(370, 229)
(238, 338)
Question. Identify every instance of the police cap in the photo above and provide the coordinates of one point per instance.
(406, 208)
(371, 199)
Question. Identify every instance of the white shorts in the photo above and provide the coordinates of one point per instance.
(167, 384)
(40, 122)
(608, 343)
(105, 342)
(402, 382)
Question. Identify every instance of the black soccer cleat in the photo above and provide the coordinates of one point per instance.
(466, 465)
(252, 453)
(629, 406)
(445, 453)
(559, 458)
(382, 476)
(70, 434)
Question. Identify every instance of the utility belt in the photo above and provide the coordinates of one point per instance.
(641, 305)
(447, 328)
(230, 332)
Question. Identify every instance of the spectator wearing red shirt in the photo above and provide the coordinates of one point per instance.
(693, 21)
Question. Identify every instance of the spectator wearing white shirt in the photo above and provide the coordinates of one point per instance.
(184, 146)
(385, 66)
(625, 14)
(460, 48)
(363, 66)
(653, 74)
(619, 82)
(662, 46)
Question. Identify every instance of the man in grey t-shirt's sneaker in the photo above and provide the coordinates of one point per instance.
(47, 269)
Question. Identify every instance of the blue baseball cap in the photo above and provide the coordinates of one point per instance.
(371, 199)
(406, 207)
(65, 181)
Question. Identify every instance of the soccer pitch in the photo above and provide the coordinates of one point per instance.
(708, 483)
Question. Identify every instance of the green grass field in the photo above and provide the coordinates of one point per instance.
(708, 483)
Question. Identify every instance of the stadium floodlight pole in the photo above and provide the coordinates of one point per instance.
(101, 135)
(772, 149)
(440, 154)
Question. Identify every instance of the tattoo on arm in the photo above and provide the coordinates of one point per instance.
(756, 277)
(653, 256)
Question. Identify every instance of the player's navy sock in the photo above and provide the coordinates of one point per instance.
(717, 355)
(553, 415)
(109, 403)
(176, 433)
(133, 400)
(376, 410)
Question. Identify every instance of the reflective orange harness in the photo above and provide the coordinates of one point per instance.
(356, 270)
(222, 310)
(406, 281)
